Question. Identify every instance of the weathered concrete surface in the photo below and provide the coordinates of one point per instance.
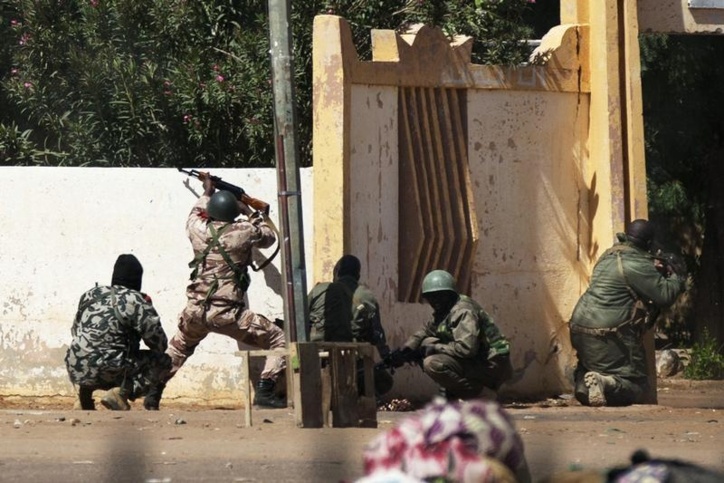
(62, 231)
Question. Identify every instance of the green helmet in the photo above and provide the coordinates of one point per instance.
(223, 206)
(438, 281)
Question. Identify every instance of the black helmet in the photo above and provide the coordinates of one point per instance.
(640, 233)
(223, 206)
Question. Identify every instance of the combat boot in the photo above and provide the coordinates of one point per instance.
(85, 399)
(596, 384)
(116, 400)
(153, 399)
(264, 395)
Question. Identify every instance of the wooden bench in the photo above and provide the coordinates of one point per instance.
(322, 379)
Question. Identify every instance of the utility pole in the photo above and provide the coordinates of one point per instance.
(287, 163)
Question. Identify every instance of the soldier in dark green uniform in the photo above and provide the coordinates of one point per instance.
(345, 310)
(463, 349)
(109, 325)
(627, 289)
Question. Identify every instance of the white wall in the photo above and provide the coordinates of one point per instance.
(62, 229)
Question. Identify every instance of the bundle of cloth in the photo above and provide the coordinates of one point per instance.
(449, 441)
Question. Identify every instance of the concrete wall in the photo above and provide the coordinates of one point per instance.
(525, 149)
(530, 194)
(677, 17)
(62, 231)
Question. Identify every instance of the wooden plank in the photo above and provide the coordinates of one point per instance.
(367, 401)
(326, 375)
(310, 385)
(246, 386)
(344, 388)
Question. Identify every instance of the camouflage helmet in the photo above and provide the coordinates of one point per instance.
(223, 206)
(438, 281)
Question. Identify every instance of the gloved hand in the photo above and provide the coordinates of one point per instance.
(427, 347)
(430, 350)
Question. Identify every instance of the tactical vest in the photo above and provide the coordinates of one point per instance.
(240, 275)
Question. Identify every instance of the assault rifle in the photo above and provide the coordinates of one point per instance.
(399, 357)
(668, 263)
(238, 191)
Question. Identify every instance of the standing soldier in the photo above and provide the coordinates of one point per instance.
(628, 287)
(219, 281)
(107, 330)
(463, 349)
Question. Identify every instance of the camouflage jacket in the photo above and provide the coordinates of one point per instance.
(107, 330)
(213, 279)
(466, 331)
(330, 312)
(366, 323)
(610, 317)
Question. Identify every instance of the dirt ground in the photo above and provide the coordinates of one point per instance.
(48, 441)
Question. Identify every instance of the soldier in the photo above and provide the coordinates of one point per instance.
(107, 330)
(464, 351)
(345, 310)
(628, 287)
(219, 281)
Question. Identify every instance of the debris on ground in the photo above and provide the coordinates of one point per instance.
(397, 405)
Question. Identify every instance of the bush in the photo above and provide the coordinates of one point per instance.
(171, 82)
(706, 360)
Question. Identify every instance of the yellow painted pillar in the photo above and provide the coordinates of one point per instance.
(332, 40)
(616, 174)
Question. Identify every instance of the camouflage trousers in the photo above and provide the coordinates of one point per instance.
(197, 321)
(466, 378)
(137, 373)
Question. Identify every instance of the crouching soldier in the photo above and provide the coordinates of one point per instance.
(463, 351)
(105, 351)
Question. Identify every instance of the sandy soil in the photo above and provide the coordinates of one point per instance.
(48, 441)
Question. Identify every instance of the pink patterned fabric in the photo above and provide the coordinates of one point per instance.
(464, 441)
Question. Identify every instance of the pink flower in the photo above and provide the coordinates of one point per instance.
(14, 71)
(94, 3)
(187, 118)
(219, 78)
(28, 85)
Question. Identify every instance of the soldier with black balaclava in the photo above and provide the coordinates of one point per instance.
(105, 353)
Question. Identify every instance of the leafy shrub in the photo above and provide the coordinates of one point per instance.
(707, 361)
(175, 82)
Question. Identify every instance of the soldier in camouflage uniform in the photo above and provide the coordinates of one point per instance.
(107, 330)
(345, 310)
(464, 351)
(219, 280)
(628, 287)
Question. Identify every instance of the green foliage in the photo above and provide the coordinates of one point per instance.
(682, 118)
(682, 104)
(707, 361)
(173, 82)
